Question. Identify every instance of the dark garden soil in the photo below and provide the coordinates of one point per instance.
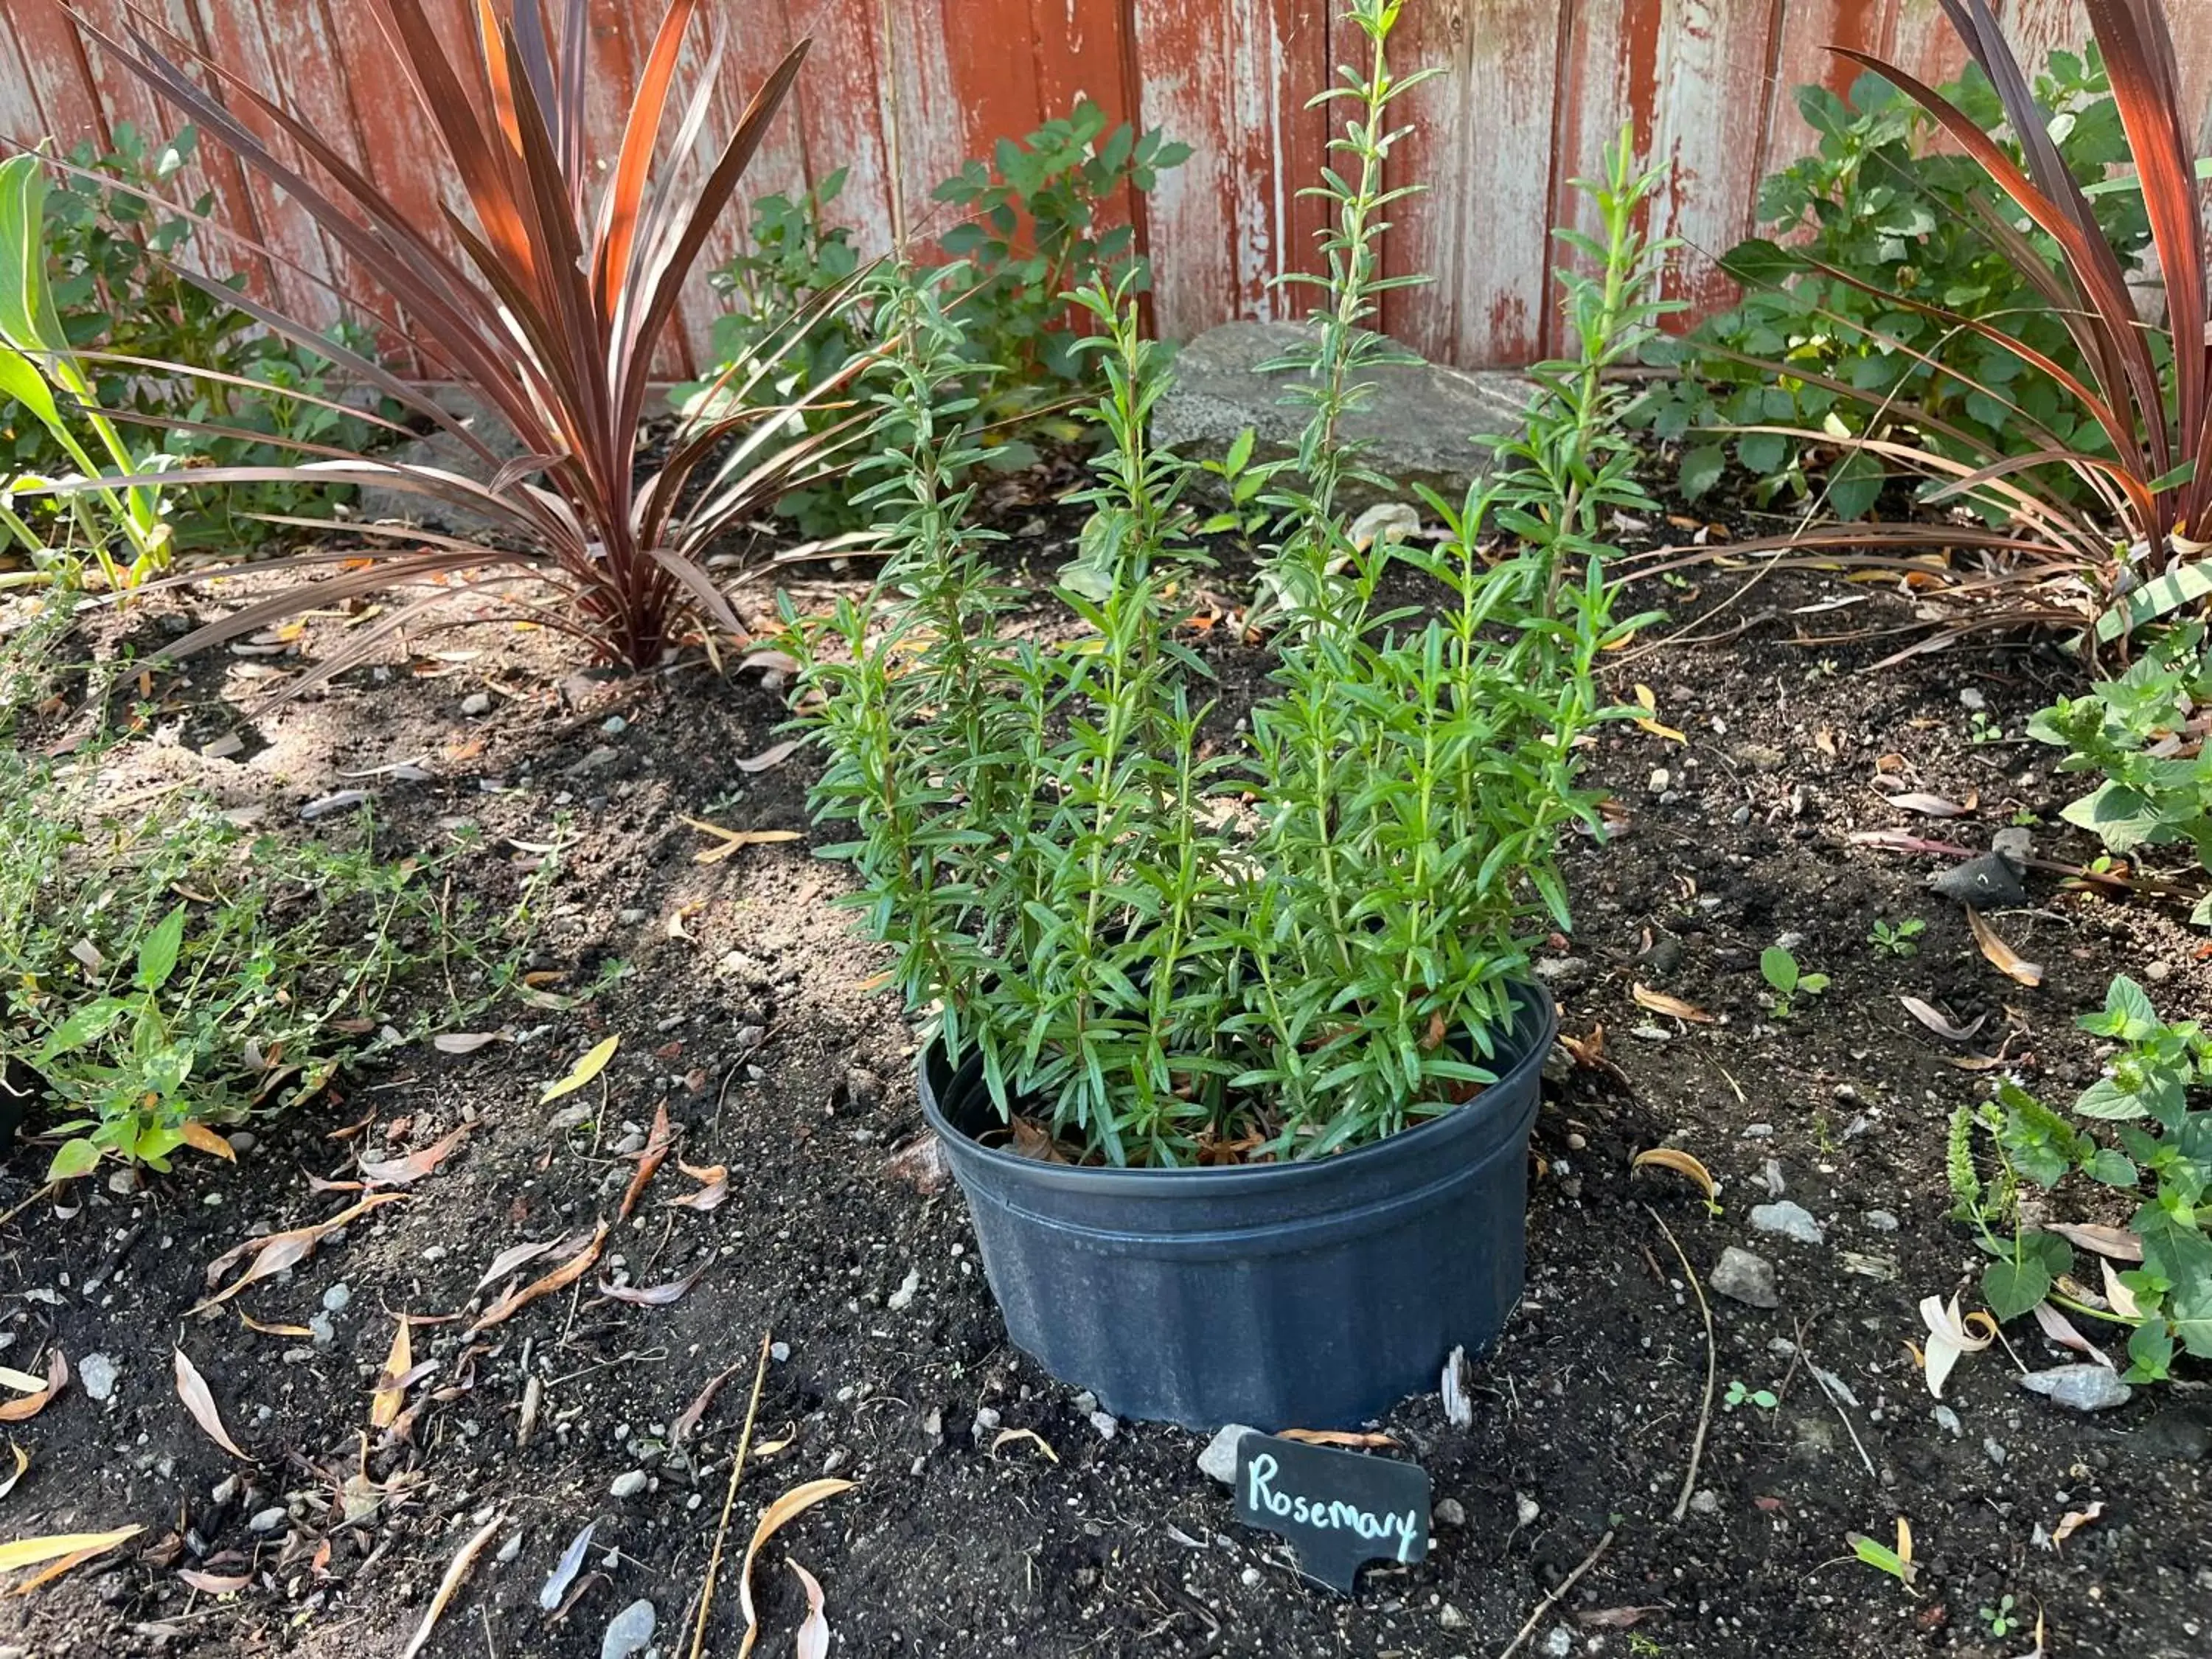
(749, 1009)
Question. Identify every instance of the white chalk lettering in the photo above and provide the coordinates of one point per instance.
(1335, 1516)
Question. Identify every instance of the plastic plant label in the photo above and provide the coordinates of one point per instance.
(1338, 1509)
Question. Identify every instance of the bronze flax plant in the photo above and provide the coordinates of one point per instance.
(552, 318)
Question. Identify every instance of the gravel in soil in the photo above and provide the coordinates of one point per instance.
(992, 1509)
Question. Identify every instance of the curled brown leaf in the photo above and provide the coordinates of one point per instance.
(559, 1279)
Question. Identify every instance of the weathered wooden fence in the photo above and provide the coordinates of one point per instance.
(901, 91)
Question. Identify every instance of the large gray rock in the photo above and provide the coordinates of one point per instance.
(1420, 421)
(442, 450)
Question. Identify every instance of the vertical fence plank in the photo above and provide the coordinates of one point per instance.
(1803, 57)
(2035, 27)
(1232, 83)
(59, 83)
(1481, 142)
(841, 104)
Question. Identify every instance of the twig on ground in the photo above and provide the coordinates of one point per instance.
(1713, 1371)
(729, 1502)
(1558, 1595)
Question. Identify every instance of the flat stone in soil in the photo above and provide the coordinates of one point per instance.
(1419, 425)
(1790, 1220)
(2084, 1388)
(1742, 1277)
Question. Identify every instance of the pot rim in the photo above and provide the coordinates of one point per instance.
(1539, 1019)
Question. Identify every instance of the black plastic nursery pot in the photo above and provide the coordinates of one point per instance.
(1283, 1296)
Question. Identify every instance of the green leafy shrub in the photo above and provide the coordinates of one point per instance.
(1166, 952)
(2159, 1138)
(1877, 201)
(2146, 732)
(112, 253)
(1036, 231)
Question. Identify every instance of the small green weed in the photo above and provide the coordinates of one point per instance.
(1897, 938)
(1738, 1394)
(2002, 1619)
(1789, 982)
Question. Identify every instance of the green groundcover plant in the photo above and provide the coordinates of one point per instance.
(2146, 733)
(2148, 1139)
(164, 970)
(1879, 200)
(1171, 943)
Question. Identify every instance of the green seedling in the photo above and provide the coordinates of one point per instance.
(1980, 728)
(2002, 1619)
(1898, 939)
(1790, 981)
(1897, 1563)
(1737, 1395)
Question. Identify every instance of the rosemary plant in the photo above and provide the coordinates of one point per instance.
(1169, 953)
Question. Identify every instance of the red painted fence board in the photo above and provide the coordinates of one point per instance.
(900, 92)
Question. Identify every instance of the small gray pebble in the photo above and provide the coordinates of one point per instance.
(96, 1374)
(1218, 1460)
(1448, 1512)
(337, 1299)
(1881, 1221)
(1742, 1277)
(628, 1631)
(477, 702)
(267, 1521)
(1947, 1420)
(628, 1484)
(778, 1352)
(1788, 1220)
(242, 1141)
(2082, 1387)
(1107, 1425)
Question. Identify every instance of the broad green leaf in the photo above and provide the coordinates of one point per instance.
(586, 1069)
(158, 951)
(2012, 1288)
(71, 1160)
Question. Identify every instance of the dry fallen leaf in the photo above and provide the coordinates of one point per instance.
(22, 1463)
(1949, 1336)
(1682, 1164)
(463, 1560)
(1005, 1436)
(2116, 1243)
(406, 1171)
(732, 840)
(464, 1042)
(2122, 1298)
(796, 1502)
(1939, 1023)
(813, 1641)
(298, 1331)
(649, 1160)
(277, 1251)
(2062, 1331)
(714, 1190)
(202, 1138)
(516, 1255)
(384, 1403)
(2005, 960)
(58, 1376)
(586, 1069)
(21, 1381)
(1933, 806)
(684, 1424)
(559, 1279)
(210, 1583)
(657, 1296)
(30, 1552)
(2073, 1520)
(1335, 1437)
(192, 1389)
(1660, 1003)
(564, 1572)
(773, 754)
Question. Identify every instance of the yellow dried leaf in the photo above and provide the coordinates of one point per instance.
(30, 1552)
(384, 1405)
(463, 1560)
(1336, 1437)
(586, 1069)
(1005, 1436)
(202, 1138)
(57, 1375)
(1660, 1003)
(1682, 1164)
(794, 1502)
(732, 840)
(2005, 960)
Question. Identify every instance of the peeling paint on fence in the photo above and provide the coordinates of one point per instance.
(900, 92)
